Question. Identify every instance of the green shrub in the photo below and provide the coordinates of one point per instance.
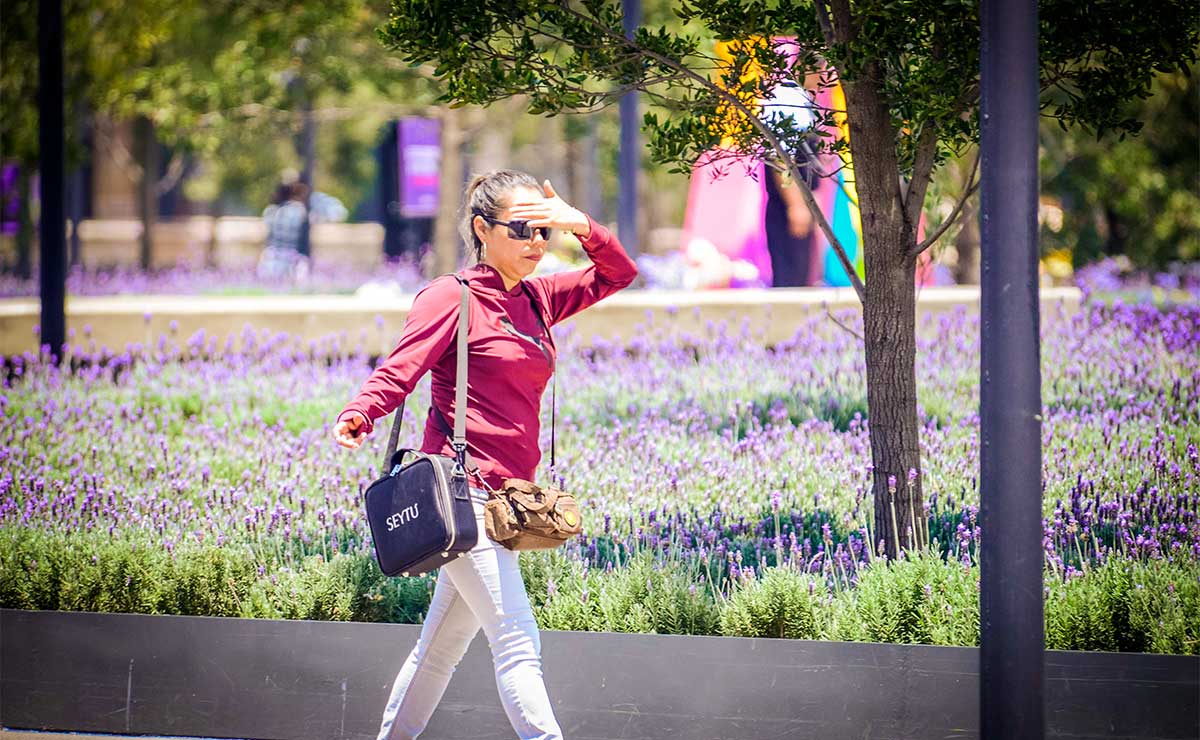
(112, 578)
(782, 603)
(921, 600)
(89, 572)
(643, 596)
(343, 588)
(1091, 612)
(206, 581)
(1123, 605)
(1126, 606)
(1165, 606)
(384, 599)
(31, 573)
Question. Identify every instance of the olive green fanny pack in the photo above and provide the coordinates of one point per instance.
(525, 516)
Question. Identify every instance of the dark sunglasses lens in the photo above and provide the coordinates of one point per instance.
(521, 230)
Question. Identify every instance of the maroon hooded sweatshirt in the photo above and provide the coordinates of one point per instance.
(511, 355)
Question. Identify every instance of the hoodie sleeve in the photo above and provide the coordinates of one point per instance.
(429, 331)
(567, 293)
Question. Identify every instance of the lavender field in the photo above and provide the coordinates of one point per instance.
(726, 484)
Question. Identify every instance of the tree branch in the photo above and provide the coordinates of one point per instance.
(837, 321)
(174, 172)
(117, 149)
(937, 234)
(842, 25)
(824, 22)
(914, 195)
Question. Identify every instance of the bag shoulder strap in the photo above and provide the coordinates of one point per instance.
(537, 311)
(459, 440)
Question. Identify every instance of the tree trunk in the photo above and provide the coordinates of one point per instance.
(552, 147)
(575, 162)
(1114, 243)
(966, 272)
(216, 210)
(147, 144)
(446, 239)
(889, 320)
(889, 323)
(493, 136)
(581, 167)
(76, 186)
(308, 158)
(25, 228)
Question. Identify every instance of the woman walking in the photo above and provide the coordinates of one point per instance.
(512, 354)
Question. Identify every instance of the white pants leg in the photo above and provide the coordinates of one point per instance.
(481, 589)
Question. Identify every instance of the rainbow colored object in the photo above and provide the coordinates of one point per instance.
(728, 209)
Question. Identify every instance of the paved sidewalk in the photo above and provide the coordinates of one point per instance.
(33, 735)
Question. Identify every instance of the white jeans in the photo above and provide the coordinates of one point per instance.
(481, 589)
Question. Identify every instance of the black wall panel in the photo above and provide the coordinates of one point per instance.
(212, 677)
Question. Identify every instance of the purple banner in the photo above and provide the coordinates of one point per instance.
(10, 200)
(420, 154)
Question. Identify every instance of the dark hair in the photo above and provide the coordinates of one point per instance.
(283, 191)
(487, 195)
(299, 191)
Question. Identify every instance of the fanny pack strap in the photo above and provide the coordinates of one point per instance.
(459, 440)
(537, 311)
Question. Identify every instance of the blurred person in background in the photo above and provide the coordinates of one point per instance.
(788, 222)
(292, 209)
(281, 257)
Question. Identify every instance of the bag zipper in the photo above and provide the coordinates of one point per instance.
(441, 476)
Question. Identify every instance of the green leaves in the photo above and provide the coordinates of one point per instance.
(1098, 58)
(923, 58)
(1128, 606)
(783, 603)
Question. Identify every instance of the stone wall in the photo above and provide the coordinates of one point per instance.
(235, 241)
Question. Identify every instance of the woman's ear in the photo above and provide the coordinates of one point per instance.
(479, 226)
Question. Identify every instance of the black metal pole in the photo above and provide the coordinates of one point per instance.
(1012, 634)
(52, 230)
(629, 165)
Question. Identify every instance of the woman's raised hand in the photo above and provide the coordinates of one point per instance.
(553, 212)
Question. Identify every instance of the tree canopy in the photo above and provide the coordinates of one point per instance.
(1096, 59)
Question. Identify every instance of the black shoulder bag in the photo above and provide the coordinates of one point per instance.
(420, 511)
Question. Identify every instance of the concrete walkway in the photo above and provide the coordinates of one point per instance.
(115, 321)
(31, 735)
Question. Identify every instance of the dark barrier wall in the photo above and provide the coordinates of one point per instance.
(240, 678)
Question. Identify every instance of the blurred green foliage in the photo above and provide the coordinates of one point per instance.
(222, 81)
(1133, 195)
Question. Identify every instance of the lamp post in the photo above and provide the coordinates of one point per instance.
(629, 164)
(1012, 633)
(53, 227)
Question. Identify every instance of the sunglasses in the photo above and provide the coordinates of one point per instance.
(518, 228)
